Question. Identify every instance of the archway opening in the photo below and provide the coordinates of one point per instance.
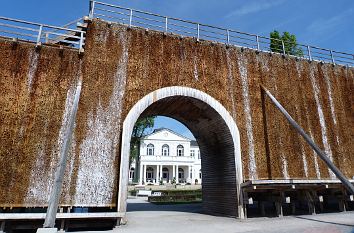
(218, 140)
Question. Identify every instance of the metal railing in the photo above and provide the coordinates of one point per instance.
(42, 33)
(137, 18)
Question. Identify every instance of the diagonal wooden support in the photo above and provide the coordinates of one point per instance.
(349, 186)
(59, 175)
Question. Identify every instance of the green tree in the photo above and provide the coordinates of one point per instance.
(290, 44)
(139, 131)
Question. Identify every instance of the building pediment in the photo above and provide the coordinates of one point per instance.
(166, 134)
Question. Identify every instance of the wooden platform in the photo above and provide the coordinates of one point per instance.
(314, 193)
(291, 183)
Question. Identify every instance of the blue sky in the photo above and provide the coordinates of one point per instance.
(323, 23)
(166, 122)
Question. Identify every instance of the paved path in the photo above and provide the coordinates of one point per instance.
(144, 217)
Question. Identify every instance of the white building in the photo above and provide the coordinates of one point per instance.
(166, 156)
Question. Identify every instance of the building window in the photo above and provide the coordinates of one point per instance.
(180, 150)
(198, 154)
(180, 173)
(149, 173)
(131, 173)
(200, 174)
(150, 149)
(165, 174)
(192, 153)
(165, 150)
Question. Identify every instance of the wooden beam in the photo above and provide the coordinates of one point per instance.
(59, 174)
(349, 186)
(34, 216)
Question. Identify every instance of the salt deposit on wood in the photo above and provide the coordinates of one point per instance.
(95, 182)
(303, 154)
(242, 64)
(32, 68)
(316, 92)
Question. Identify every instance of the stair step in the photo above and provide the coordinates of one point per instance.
(82, 26)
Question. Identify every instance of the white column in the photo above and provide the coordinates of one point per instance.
(161, 171)
(177, 181)
(192, 181)
(141, 173)
(189, 174)
(144, 175)
(173, 172)
(157, 173)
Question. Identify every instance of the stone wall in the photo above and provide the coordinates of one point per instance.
(122, 65)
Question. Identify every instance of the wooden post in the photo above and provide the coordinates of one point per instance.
(2, 227)
(320, 201)
(261, 207)
(279, 208)
(244, 205)
(341, 204)
(293, 208)
(310, 203)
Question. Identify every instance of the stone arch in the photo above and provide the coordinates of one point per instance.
(221, 190)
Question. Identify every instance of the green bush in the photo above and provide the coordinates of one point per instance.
(177, 196)
(133, 192)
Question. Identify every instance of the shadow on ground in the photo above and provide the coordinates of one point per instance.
(188, 208)
(327, 222)
(141, 204)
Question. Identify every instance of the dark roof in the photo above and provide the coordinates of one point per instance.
(194, 143)
(160, 129)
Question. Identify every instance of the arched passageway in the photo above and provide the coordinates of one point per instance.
(218, 138)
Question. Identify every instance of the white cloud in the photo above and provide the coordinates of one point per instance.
(322, 26)
(254, 7)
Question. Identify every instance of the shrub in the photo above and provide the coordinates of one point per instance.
(177, 196)
(133, 192)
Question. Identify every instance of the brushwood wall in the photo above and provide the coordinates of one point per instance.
(119, 67)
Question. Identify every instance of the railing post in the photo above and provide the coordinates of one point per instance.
(332, 57)
(198, 33)
(258, 46)
(39, 35)
(92, 9)
(282, 44)
(81, 42)
(228, 36)
(166, 24)
(309, 53)
(46, 38)
(130, 17)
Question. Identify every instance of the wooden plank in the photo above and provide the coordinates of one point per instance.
(290, 181)
(33, 216)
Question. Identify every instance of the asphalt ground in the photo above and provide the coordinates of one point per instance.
(144, 217)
